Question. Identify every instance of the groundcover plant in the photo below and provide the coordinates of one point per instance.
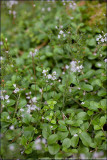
(53, 79)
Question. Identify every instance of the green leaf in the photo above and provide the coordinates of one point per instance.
(102, 120)
(28, 131)
(77, 122)
(73, 130)
(62, 128)
(22, 103)
(46, 131)
(85, 138)
(53, 121)
(70, 122)
(53, 149)
(102, 92)
(61, 122)
(66, 143)
(85, 126)
(74, 141)
(86, 87)
(82, 115)
(62, 135)
(94, 106)
(72, 78)
(91, 42)
(49, 54)
(11, 103)
(96, 82)
(89, 74)
(52, 139)
(61, 88)
(4, 115)
(97, 127)
(27, 118)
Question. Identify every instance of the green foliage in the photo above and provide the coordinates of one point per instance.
(53, 79)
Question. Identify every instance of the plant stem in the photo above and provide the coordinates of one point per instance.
(16, 106)
(34, 71)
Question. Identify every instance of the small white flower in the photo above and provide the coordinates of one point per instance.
(64, 35)
(14, 12)
(3, 106)
(40, 90)
(102, 40)
(45, 71)
(59, 36)
(21, 109)
(34, 5)
(2, 97)
(97, 39)
(43, 9)
(75, 135)
(8, 117)
(6, 97)
(34, 99)
(33, 107)
(16, 90)
(105, 60)
(28, 97)
(11, 127)
(82, 156)
(37, 141)
(71, 18)
(100, 36)
(44, 140)
(8, 101)
(1, 43)
(61, 32)
(6, 39)
(79, 88)
(61, 26)
(11, 147)
(14, 85)
(70, 90)
(99, 64)
(63, 72)
(82, 102)
(29, 101)
(84, 93)
(81, 66)
(95, 155)
(56, 27)
(28, 111)
(59, 80)
(49, 9)
(49, 76)
(38, 147)
(66, 66)
(22, 152)
(51, 127)
(1, 58)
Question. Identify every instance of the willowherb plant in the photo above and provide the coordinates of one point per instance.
(53, 98)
